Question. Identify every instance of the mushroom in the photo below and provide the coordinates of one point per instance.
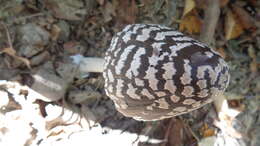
(153, 72)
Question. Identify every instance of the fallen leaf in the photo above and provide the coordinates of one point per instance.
(55, 32)
(222, 52)
(10, 51)
(206, 131)
(223, 3)
(253, 67)
(253, 64)
(189, 6)
(127, 11)
(24, 60)
(55, 133)
(40, 58)
(247, 22)
(71, 47)
(42, 104)
(191, 23)
(232, 28)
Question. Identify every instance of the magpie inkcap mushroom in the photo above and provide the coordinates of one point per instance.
(153, 72)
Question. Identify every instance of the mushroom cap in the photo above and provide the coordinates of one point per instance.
(153, 72)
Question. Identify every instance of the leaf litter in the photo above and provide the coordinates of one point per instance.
(69, 27)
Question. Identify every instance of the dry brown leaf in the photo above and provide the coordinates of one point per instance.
(40, 58)
(55, 133)
(232, 28)
(71, 47)
(223, 3)
(55, 32)
(251, 52)
(42, 104)
(54, 123)
(24, 60)
(253, 64)
(206, 131)
(242, 16)
(189, 6)
(10, 51)
(253, 67)
(222, 52)
(127, 11)
(191, 23)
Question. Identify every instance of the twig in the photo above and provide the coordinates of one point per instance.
(210, 22)
(191, 131)
(168, 130)
(8, 35)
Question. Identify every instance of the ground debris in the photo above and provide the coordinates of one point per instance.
(61, 107)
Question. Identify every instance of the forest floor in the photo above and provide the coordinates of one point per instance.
(42, 101)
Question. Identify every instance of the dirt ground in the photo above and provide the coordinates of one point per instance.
(44, 100)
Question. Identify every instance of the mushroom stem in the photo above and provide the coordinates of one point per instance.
(89, 64)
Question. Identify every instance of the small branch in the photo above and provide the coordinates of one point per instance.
(8, 35)
(212, 13)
